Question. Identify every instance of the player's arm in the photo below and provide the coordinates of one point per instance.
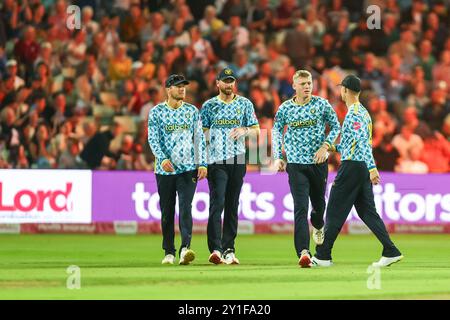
(277, 140)
(154, 140)
(369, 159)
(335, 128)
(200, 147)
(330, 117)
(250, 124)
(205, 120)
(361, 131)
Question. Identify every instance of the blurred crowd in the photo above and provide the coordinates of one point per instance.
(79, 97)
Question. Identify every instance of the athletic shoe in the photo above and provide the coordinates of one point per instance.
(386, 262)
(230, 258)
(320, 263)
(186, 256)
(215, 257)
(168, 259)
(305, 259)
(318, 235)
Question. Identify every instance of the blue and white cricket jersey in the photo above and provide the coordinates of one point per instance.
(220, 118)
(356, 137)
(305, 129)
(176, 135)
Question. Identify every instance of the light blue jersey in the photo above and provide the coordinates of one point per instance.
(220, 118)
(176, 135)
(356, 138)
(305, 129)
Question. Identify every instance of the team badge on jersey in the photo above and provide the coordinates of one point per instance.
(356, 126)
(313, 110)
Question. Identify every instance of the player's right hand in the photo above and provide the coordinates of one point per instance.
(167, 166)
(280, 165)
(375, 177)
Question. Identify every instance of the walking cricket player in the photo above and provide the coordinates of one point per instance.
(353, 183)
(176, 138)
(227, 119)
(306, 150)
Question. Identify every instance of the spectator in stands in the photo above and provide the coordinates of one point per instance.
(97, 148)
(40, 148)
(260, 16)
(426, 59)
(405, 48)
(132, 25)
(120, 66)
(298, 45)
(156, 30)
(27, 49)
(441, 70)
(210, 23)
(412, 164)
(405, 141)
(69, 158)
(436, 153)
(233, 8)
(91, 27)
(412, 121)
(11, 66)
(10, 134)
(438, 108)
(126, 153)
(385, 154)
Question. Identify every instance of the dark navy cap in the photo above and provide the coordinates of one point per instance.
(226, 73)
(352, 82)
(175, 80)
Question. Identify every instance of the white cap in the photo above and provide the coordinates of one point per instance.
(46, 45)
(11, 63)
(137, 65)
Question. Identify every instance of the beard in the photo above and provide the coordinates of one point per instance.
(226, 91)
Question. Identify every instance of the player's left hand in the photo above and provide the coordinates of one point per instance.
(237, 133)
(202, 173)
(321, 155)
(375, 177)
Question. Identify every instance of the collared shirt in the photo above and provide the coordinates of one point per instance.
(220, 118)
(356, 138)
(305, 129)
(176, 135)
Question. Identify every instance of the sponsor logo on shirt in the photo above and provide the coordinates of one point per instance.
(176, 127)
(226, 122)
(302, 123)
(356, 126)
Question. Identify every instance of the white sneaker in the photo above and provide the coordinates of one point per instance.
(305, 259)
(186, 256)
(318, 235)
(215, 257)
(230, 258)
(168, 259)
(386, 262)
(320, 263)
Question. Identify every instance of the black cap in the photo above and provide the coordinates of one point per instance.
(175, 80)
(352, 82)
(226, 73)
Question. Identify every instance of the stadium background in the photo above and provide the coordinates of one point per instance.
(79, 99)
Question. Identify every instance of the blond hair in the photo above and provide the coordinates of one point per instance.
(301, 74)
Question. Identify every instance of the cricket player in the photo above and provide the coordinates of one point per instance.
(176, 138)
(227, 119)
(353, 183)
(306, 149)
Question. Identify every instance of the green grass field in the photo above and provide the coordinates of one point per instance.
(128, 267)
